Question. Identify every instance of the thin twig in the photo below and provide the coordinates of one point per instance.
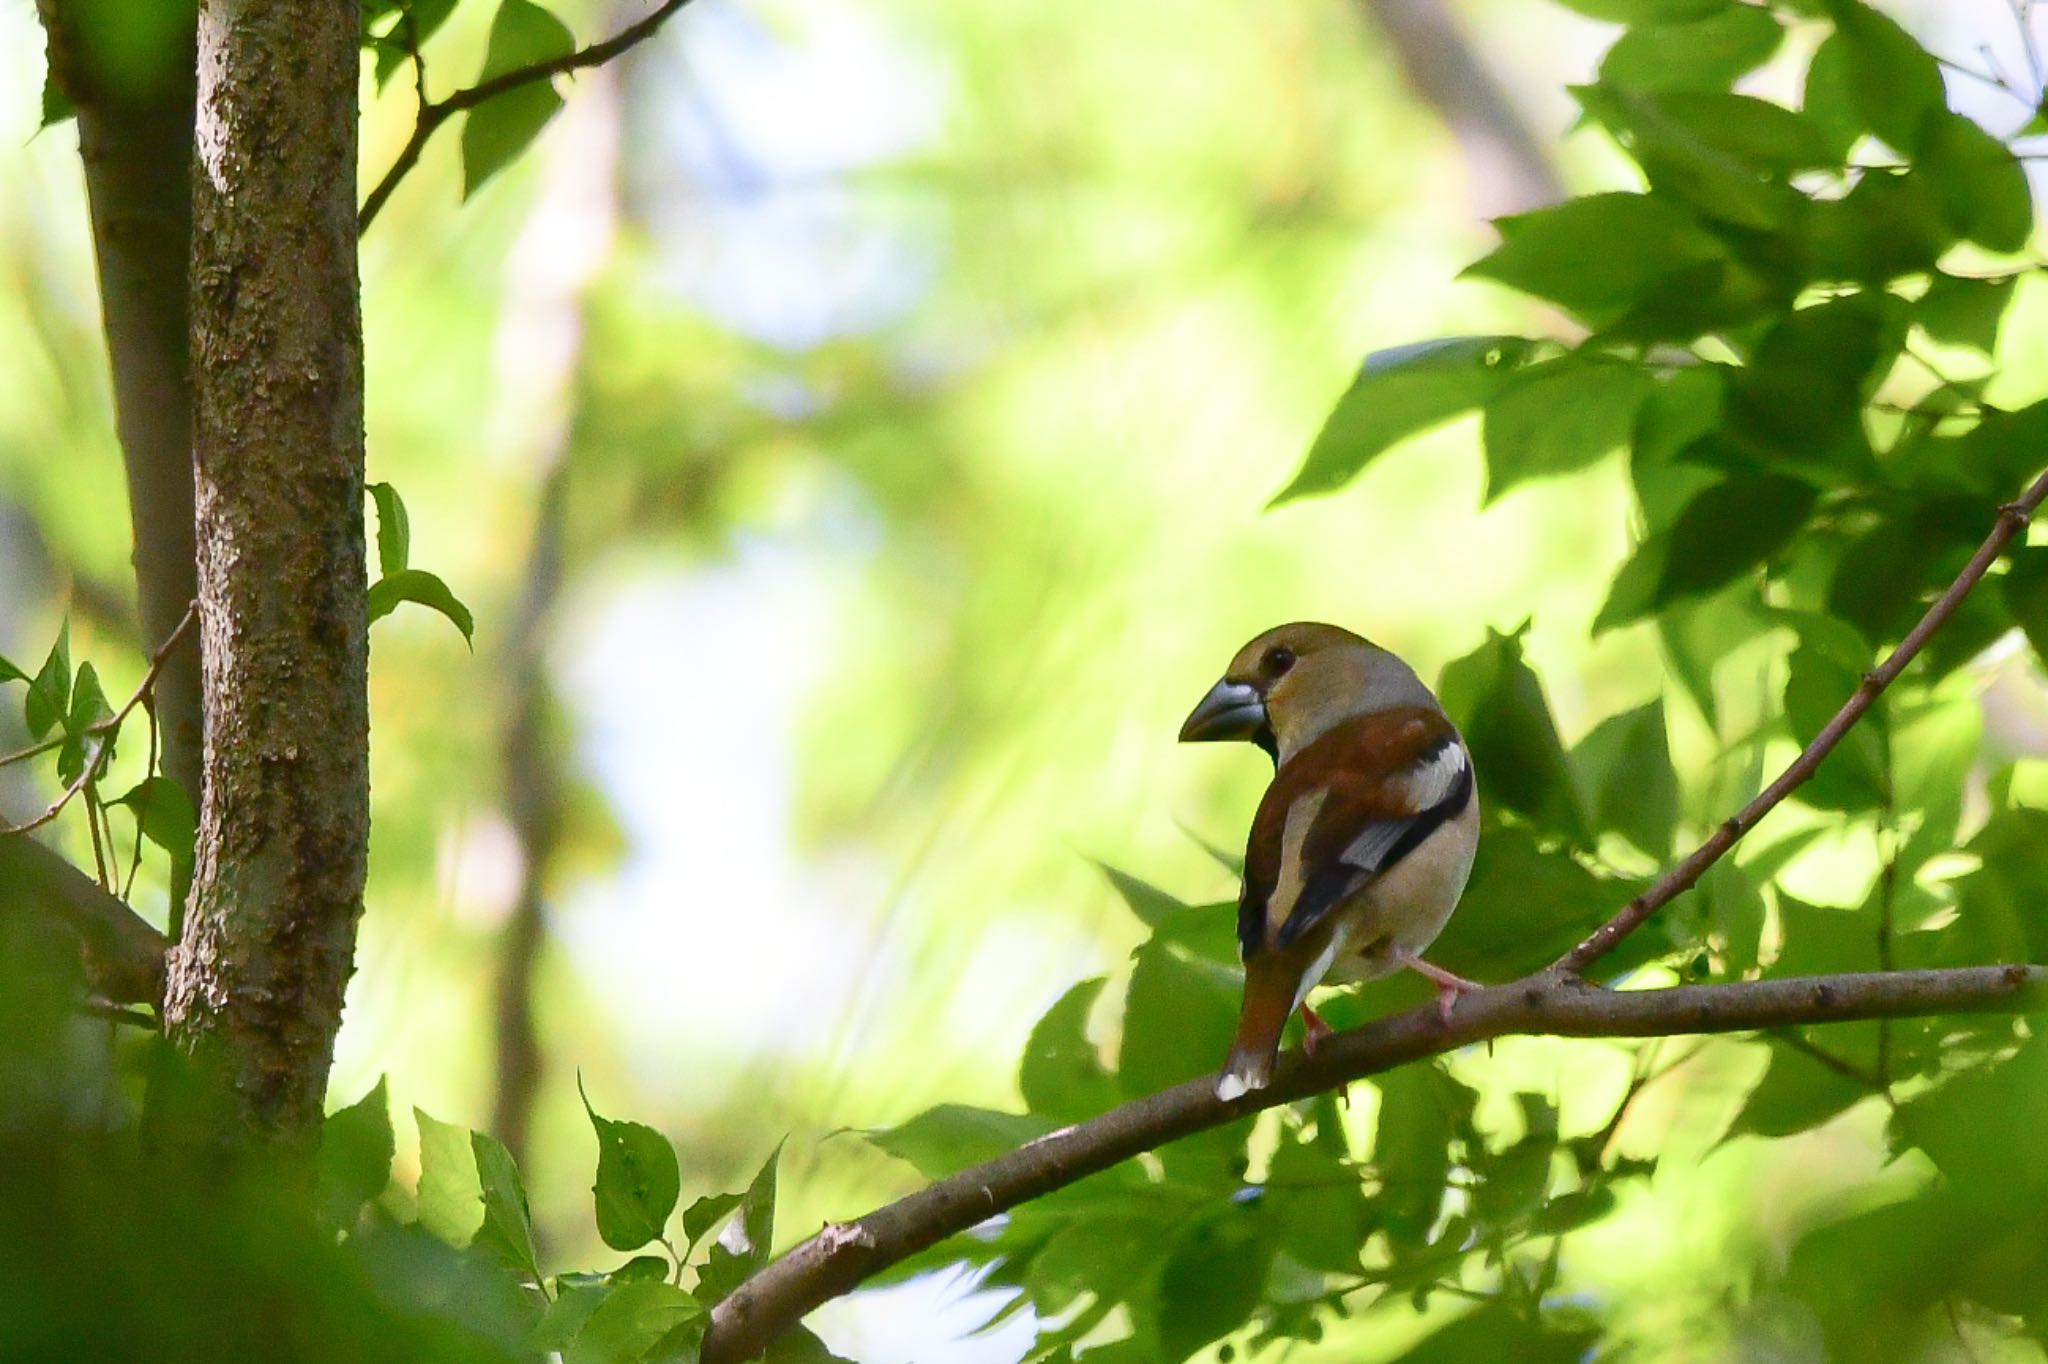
(2012, 518)
(114, 1013)
(34, 750)
(432, 115)
(104, 730)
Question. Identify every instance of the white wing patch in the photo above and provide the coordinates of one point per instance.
(1436, 776)
(1429, 782)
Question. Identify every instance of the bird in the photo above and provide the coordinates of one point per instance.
(1363, 842)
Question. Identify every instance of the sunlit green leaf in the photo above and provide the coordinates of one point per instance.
(507, 1231)
(946, 1140)
(394, 529)
(1179, 1017)
(1630, 783)
(638, 1180)
(1893, 81)
(1559, 418)
(49, 694)
(730, 1265)
(1498, 704)
(418, 585)
(705, 1213)
(1797, 1092)
(631, 1319)
(356, 1148)
(1979, 185)
(1402, 393)
(1707, 53)
(1598, 255)
(1964, 312)
(451, 1199)
(1062, 1076)
(522, 35)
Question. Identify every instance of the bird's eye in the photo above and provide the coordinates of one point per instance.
(1278, 660)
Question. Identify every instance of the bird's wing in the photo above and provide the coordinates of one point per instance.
(1344, 810)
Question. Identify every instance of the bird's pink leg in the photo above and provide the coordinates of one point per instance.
(1313, 1031)
(1448, 985)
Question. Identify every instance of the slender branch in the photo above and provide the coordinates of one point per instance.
(433, 114)
(104, 731)
(2012, 518)
(1552, 1004)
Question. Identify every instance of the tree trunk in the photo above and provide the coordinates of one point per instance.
(256, 982)
(135, 107)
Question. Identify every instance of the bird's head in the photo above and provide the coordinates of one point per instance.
(1295, 681)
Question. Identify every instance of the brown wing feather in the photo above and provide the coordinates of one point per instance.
(1362, 767)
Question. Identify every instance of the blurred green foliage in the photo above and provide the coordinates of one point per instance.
(1812, 327)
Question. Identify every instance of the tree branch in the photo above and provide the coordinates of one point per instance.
(124, 955)
(1551, 1004)
(2012, 519)
(433, 114)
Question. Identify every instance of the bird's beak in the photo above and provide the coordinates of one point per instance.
(1231, 710)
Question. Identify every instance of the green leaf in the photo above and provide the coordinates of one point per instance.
(2025, 588)
(88, 708)
(56, 105)
(1152, 905)
(1211, 1281)
(1888, 226)
(1829, 102)
(705, 1213)
(1730, 529)
(1852, 777)
(451, 1200)
(1894, 83)
(1598, 255)
(1767, 138)
(507, 1231)
(1799, 402)
(394, 529)
(1524, 905)
(9, 672)
(49, 695)
(638, 1180)
(1978, 184)
(1497, 701)
(1646, 11)
(1559, 418)
(1317, 1202)
(1630, 782)
(1061, 1075)
(1964, 312)
(638, 1268)
(1494, 1331)
(632, 1319)
(164, 814)
(945, 1140)
(1422, 1110)
(566, 1315)
(356, 1148)
(1401, 393)
(522, 35)
(1796, 1093)
(1179, 1017)
(418, 585)
(1707, 53)
(426, 16)
(730, 1266)
(1688, 167)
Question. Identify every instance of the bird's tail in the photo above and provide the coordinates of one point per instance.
(1268, 999)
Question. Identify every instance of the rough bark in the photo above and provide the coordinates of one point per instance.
(256, 982)
(839, 1257)
(135, 115)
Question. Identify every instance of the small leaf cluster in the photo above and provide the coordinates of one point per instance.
(398, 581)
(470, 1197)
(67, 715)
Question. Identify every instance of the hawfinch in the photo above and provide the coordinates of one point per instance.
(1361, 845)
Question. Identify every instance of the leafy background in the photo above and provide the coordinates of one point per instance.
(908, 381)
